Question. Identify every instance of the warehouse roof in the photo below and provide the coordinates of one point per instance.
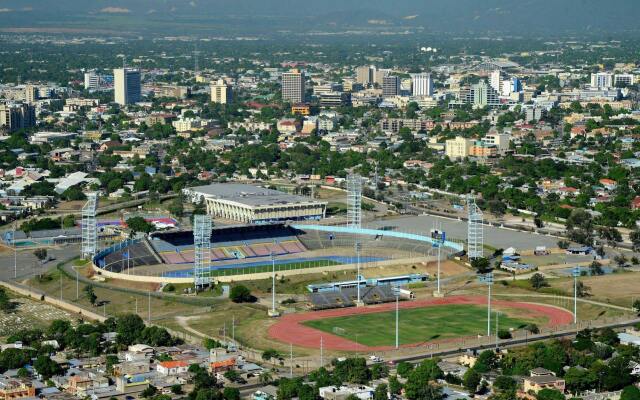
(250, 195)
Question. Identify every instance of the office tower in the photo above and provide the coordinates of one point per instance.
(390, 86)
(221, 92)
(127, 86)
(602, 80)
(495, 79)
(483, 95)
(624, 80)
(365, 75)
(91, 80)
(30, 94)
(421, 84)
(516, 85)
(293, 86)
(17, 116)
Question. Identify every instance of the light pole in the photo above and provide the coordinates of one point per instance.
(576, 274)
(396, 291)
(273, 312)
(487, 279)
(359, 301)
(497, 319)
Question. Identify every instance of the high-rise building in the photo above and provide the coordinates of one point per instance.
(495, 80)
(30, 94)
(379, 75)
(602, 80)
(390, 86)
(127, 87)
(366, 75)
(483, 95)
(17, 116)
(293, 86)
(421, 84)
(221, 92)
(91, 80)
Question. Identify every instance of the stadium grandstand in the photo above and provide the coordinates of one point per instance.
(254, 204)
(347, 297)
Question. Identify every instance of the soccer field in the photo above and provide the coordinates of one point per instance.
(419, 325)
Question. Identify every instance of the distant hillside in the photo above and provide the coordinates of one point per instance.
(265, 16)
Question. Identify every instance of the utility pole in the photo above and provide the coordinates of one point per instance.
(273, 312)
(77, 287)
(321, 353)
(487, 279)
(149, 308)
(497, 318)
(15, 252)
(290, 360)
(397, 293)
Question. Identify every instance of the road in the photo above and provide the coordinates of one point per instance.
(28, 265)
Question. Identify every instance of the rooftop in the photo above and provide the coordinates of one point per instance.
(249, 195)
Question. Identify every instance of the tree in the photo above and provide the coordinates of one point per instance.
(621, 260)
(41, 254)
(139, 224)
(505, 383)
(268, 354)
(395, 387)
(595, 269)
(538, 281)
(582, 290)
(471, 380)
(46, 367)
(636, 305)
(176, 207)
(129, 328)
(634, 236)
(176, 389)
(481, 265)
(90, 294)
(630, 393)
(550, 394)
(380, 392)
(418, 386)
(241, 294)
(149, 392)
(579, 380)
(404, 369)
(5, 301)
(230, 393)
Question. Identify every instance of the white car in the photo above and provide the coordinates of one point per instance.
(373, 358)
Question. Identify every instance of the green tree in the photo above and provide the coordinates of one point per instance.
(471, 380)
(230, 393)
(139, 224)
(380, 392)
(41, 254)
(550, 394)
(395, 387)
(404, 369)
(481, 265)
(538, 281)
(241, 294)
(630, 393)
(129, 328)
(417, 386)
(90, 294)
(46, 367)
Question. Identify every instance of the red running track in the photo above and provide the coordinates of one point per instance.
(290, 328)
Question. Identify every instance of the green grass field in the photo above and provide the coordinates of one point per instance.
(418, 325)
(267, 267)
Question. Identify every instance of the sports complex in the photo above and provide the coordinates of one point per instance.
(374, 310)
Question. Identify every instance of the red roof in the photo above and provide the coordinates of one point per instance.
(174, 364)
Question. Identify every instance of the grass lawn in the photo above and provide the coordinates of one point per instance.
(417, 325)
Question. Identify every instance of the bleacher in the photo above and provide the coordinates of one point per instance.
(348, 297)
(230, 243)
(131, 256)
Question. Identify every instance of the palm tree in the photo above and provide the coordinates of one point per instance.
(266, 377)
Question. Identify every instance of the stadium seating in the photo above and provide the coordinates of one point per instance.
(347, 297)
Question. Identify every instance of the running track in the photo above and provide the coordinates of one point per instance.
(289, 328)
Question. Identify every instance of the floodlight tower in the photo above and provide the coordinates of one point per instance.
(396, 292)
(439, 238)
(354, 217)
(475, 234)
(89, 227)
(487, 279)
(576, 273)
(202, 226)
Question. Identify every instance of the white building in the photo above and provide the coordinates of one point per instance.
(127, 87)
(624, 80)
(602, 80)
(221, 92)
(91, 80)
(495, 80)
(458, 148)
(421, 84)
(500, 140)
(293, 86)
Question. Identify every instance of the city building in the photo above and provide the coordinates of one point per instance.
(301, 109)
(458, 148)
(15, 116)
(365, 75)
(293, 86)
(15, 389)
(621, 80)
(602, 80)
(495, 80)
(421, 84)
(500, 140)
(128, 89)
(335, 99)
(221, 92)
(91, 80)
(255, 204)
(390, 86)
(30, 94)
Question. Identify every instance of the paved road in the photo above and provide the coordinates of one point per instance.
(496, 237)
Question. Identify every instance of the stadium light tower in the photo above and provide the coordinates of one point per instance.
(89, 227)
(354, 219)
(273, 312)
(487, 279)
(576, 274)
(475, 233)
(439, 237)
(202, 226)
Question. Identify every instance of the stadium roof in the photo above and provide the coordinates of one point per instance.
(250, 195)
